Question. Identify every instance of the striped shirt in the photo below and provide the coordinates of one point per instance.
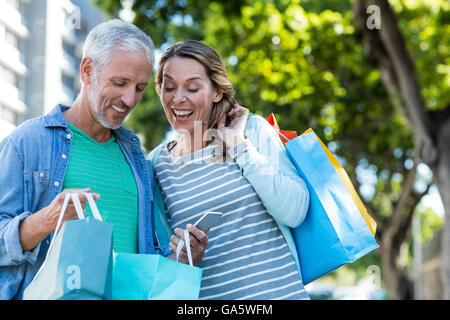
(247, 256)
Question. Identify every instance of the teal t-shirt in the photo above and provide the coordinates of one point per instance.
(103, 168)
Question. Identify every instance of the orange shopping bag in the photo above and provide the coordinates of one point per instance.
(285, 135)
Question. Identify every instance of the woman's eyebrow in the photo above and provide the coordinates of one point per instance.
(189, 79)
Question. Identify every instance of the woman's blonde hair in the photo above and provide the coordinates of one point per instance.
(215, 70)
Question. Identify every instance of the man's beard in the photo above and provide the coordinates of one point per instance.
(96, 108)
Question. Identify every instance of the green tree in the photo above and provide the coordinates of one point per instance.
(411, 52)
(307, 62)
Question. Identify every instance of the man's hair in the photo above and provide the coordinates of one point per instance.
(115, 34)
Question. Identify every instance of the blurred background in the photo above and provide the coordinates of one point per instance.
(371, 77)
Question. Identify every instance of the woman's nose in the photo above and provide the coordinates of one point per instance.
(179, 97)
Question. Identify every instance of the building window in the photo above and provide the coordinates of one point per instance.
(68, 81)
(11, 38)
(9, 76)
(14, 3)
(8, 115)
(2, 31)
(68, 48)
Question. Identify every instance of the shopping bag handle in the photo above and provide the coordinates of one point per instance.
(277, 131)
(78, 209)
(92, 205)
(181, 244)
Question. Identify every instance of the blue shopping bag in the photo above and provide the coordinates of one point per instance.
(154, 277)
(334, 232)
(78, 265)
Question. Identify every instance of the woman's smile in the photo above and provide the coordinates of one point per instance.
(182, 114)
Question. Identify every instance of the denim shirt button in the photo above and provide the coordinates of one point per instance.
(56, 184)
(41, 174)
(69, 136)
(64, 156)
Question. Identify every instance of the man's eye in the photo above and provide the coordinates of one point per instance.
(119, 84)
(139, 89)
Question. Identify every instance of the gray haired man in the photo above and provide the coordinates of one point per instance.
(80, 149)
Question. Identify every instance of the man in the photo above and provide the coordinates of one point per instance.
(80, 149)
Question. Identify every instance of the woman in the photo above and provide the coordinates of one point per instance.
(251, 253)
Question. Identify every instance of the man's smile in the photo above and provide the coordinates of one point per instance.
(119, 109)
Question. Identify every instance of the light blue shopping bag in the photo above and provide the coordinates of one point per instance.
(334, 232)
(78, 265)
(153, 277)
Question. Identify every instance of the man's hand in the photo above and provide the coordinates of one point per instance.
(198, 239)
(39, 225)
(52, 211)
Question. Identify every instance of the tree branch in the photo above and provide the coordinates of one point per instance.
(387, 46)
(395, 220)
(404, 229)
(439, 118)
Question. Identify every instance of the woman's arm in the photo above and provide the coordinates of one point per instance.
(266, 165)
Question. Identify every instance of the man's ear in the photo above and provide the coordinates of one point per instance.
(86, 71)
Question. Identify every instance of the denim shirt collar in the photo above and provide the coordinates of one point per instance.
(55, 118)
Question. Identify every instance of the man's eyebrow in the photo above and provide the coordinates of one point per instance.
(126, 79)
(120, 78)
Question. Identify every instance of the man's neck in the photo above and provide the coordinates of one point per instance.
(80, 116)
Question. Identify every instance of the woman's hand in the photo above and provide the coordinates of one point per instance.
(233, 134)
(198, 239)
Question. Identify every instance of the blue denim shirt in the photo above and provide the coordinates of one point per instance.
(33, 160)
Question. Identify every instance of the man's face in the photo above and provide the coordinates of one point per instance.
(118, 87)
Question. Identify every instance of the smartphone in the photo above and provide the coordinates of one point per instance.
(208, 220)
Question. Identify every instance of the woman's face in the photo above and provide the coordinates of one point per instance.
(187, 94)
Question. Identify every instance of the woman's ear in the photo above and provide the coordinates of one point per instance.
(218, 95)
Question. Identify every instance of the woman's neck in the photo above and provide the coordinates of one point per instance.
(190, 142)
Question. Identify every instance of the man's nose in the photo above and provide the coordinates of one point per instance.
(129, 97)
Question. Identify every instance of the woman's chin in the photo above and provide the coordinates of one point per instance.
(183, 127)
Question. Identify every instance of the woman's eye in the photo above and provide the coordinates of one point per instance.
(193, 90)
(169, 89)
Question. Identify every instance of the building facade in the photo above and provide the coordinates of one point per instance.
(41, 46)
